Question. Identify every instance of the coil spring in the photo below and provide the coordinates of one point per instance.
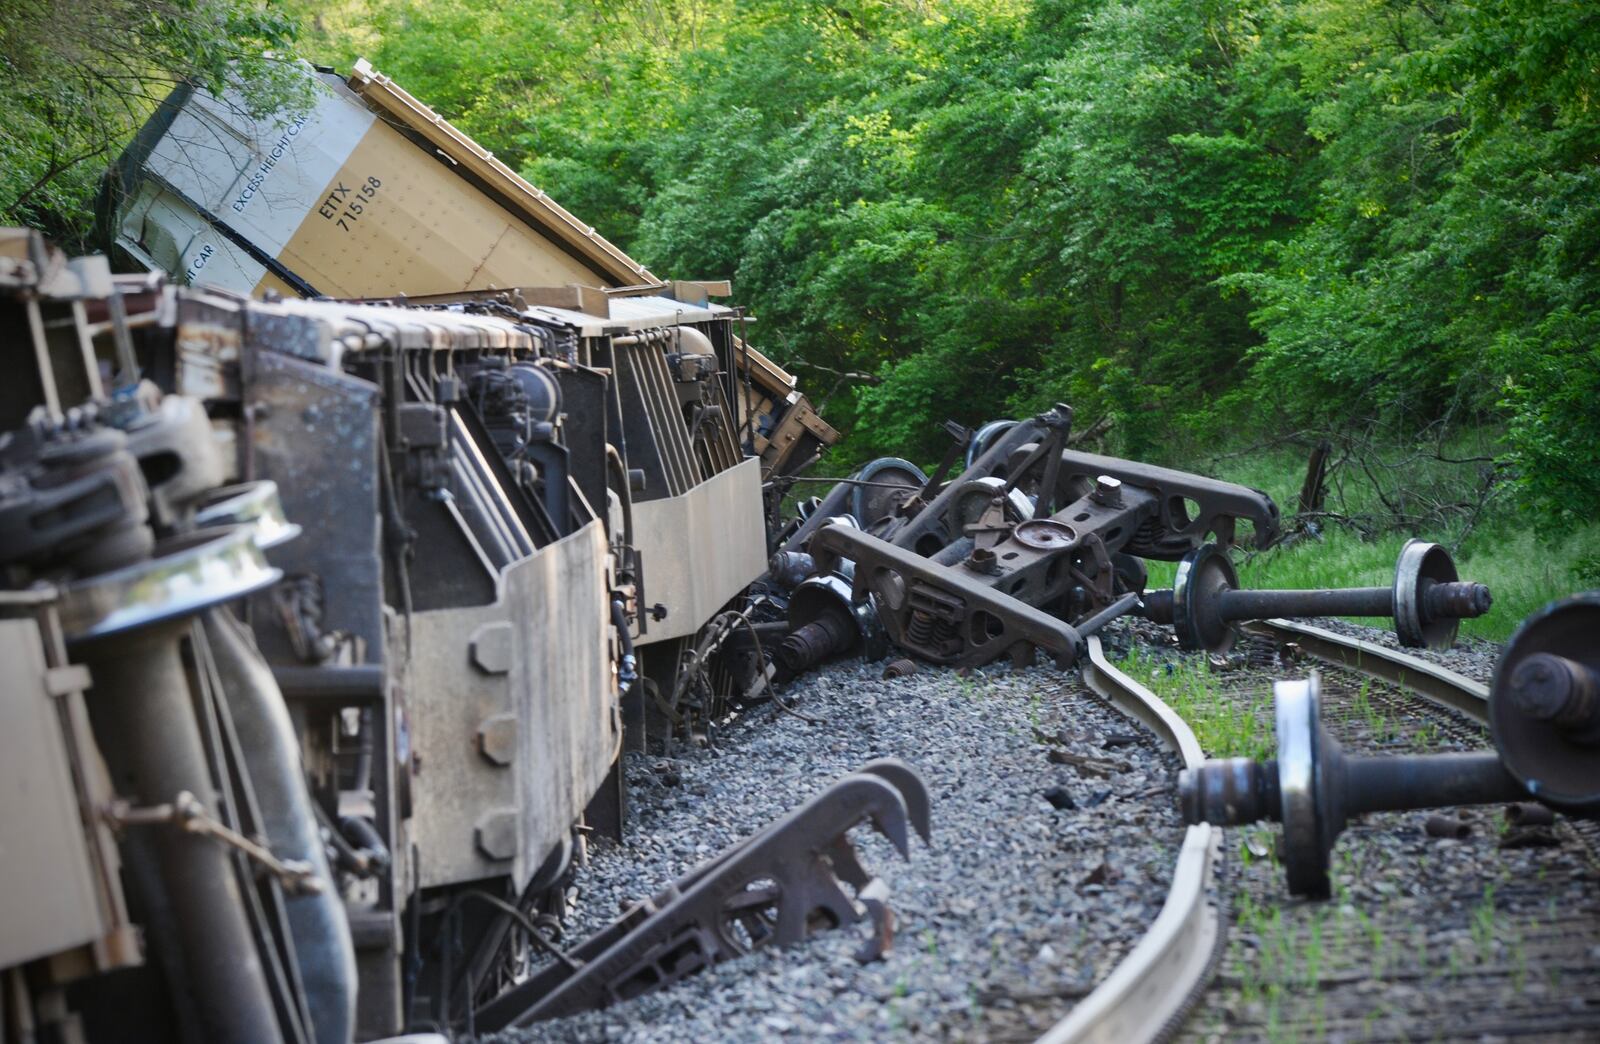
(1148, 534)
(920, 627)
(900, 669)
(1264, 655)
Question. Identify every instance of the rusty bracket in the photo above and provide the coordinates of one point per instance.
(779, 885)
(1190, 508)
(944, 614)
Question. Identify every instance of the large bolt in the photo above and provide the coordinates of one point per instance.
(982, 560)
(1107, 492)
(1229, 792)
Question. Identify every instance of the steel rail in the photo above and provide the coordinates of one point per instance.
(1150, 992)
(1427, 679)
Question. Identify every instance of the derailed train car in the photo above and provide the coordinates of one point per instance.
(450, 632)
(360, 191)
(332, 617)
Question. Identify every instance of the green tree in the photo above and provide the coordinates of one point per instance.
(77, 79)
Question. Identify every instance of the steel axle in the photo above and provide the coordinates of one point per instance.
(1313, 787)
(1451, 598)
(1427, 601)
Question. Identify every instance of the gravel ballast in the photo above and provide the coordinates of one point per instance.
(1016, 910)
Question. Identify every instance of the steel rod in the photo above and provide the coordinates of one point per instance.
(1262, 605)
(144, 723)
(1397, 783)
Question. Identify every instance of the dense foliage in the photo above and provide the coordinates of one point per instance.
(1206, 220)
(78, 78)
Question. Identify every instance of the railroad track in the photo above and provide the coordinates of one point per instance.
(1513, 942)
(1187, 935)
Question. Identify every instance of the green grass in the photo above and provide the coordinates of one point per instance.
(1523, 569)
(1286, 961)
(1378, 724)
(1225, 727)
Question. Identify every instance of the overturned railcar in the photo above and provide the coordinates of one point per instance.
(498, 504)
(359, 190)
(333, 610)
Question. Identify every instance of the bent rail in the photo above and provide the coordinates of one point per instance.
(1151, 991)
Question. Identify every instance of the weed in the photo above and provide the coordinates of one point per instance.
(1275, 1012)
(1224, 726)
(1378, 725)
(1483, 923)
(1377, 943)
(1312, 957)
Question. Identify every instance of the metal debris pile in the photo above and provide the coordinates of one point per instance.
(1037, 545)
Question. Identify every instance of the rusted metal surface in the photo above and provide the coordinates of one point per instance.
(901, 668)
(1543, 708)
(1423, 677)
(982, 571)
(1393, 881)
(939, 613)
(1313, 787)
(776, 887)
